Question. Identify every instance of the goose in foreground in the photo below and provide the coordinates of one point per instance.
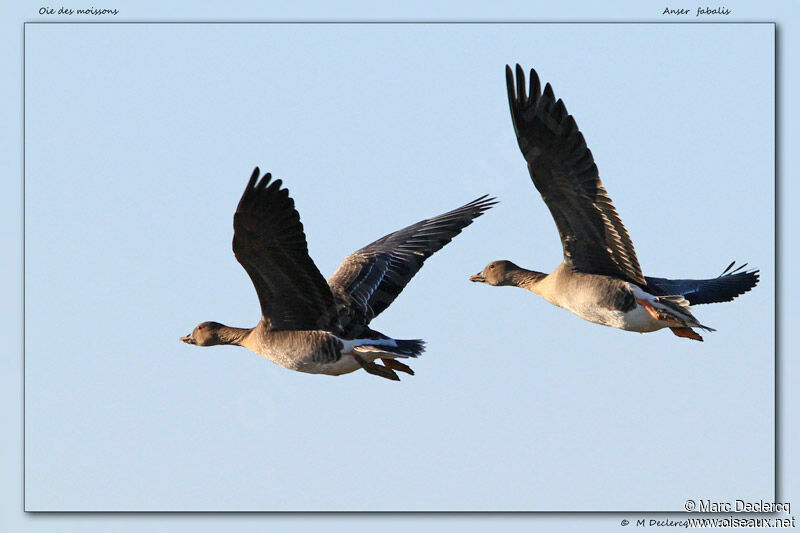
(599, 278)
(320, 327)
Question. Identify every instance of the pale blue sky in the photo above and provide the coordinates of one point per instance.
(136, 156)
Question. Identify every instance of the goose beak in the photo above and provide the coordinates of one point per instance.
(187, 339)
(478, 278)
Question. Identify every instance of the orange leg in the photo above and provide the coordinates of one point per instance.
(682, 331)
(687, 332)
(658, 314)
(397, 365)
(649, 307)
(376, 369)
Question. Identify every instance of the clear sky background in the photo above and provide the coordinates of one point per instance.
(139, 141)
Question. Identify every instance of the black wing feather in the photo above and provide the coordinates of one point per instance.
(369, 280)
(563, 170)
(724, 288)
(269, 242)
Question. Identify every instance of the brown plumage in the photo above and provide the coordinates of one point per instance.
(599, 279)
(306, 323)
(564, 172)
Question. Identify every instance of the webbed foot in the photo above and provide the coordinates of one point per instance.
(376, 369)
(689, 333)
(397, 365)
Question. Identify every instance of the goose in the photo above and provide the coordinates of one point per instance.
(308, 324)
(599, 278)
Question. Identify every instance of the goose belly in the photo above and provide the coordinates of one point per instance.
(635, 319)
(345, 365)
(313, 352)
(347, 362)
(639, 319)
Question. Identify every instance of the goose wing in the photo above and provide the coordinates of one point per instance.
(724, 288)
(269, 242)
(369, 279)
(563, 170)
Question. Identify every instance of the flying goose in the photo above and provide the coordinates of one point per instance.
(599, 279)
(320, 327)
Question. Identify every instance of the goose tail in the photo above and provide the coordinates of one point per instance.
(393, 347)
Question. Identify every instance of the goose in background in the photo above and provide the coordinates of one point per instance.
(308, 324)
(599, 278)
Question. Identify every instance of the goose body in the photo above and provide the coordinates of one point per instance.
(316, 326)
(319, 351)
(599, 279)
(613, 302)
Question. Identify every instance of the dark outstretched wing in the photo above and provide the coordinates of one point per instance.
(563, 170)
(269, 242)
(723, 288)
(370, 279)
